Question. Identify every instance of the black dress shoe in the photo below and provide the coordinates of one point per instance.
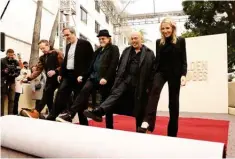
(95, 114)
(41, 116)
(144, 127)
(50, 117)
(142, 130)
(66, 117)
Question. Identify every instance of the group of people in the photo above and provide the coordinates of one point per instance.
(14, 75)
(128, 85)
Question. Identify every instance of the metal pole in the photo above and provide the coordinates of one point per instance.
(5, 9)
(154, 7)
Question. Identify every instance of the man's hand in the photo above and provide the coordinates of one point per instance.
(79, 79)
(103, 81)
(183, 81)
(51, 73)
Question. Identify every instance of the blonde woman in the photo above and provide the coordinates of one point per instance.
(171, 67)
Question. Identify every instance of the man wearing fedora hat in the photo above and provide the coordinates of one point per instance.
(104, 33)
(100, 77)
(129, 93)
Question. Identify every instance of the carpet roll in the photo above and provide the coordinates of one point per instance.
(50, 139)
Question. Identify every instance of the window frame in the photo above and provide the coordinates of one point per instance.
(97, 27)
(83, 11)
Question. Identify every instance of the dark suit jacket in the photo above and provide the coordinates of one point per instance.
(180, 62)
(108, 64)
(82, 60)
(144, 78)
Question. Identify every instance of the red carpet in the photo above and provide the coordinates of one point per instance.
(191, 128)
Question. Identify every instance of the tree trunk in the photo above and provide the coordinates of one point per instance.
(36, 35)
(54, 30)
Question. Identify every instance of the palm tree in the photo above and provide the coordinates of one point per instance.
(143, 33)
(36, 34)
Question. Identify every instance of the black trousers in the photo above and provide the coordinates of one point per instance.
(37, 103)
(47, 97)
(80, 102)
(16, 103)
(112, 100)
(68, 85)
(7, 89)
(174, 90)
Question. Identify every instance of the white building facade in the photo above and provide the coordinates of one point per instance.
(18, 23)
(90, 19)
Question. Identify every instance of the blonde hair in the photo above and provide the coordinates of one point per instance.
(173, 25)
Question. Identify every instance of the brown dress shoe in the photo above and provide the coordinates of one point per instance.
(31, 113)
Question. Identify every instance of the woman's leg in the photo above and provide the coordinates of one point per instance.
(174, 91)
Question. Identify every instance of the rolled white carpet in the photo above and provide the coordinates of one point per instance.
(62, 140)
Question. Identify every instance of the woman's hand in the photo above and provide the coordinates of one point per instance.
(183, 80)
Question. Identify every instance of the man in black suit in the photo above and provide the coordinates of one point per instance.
(78, 57)
(100, 78)
(134, 76)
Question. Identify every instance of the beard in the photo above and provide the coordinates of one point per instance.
(135, 45)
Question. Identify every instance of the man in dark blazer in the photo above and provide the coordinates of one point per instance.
(133, 79)
(101, 77)
(78, 57)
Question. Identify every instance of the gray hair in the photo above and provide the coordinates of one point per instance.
(71, 29)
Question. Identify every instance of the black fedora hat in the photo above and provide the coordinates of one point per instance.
(104, 32)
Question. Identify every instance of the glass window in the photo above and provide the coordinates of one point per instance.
(97, 7)
(97, 27)
(83, 15)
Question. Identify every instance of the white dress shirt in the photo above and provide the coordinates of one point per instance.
(71, 55)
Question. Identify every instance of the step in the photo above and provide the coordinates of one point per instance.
(231, 110)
